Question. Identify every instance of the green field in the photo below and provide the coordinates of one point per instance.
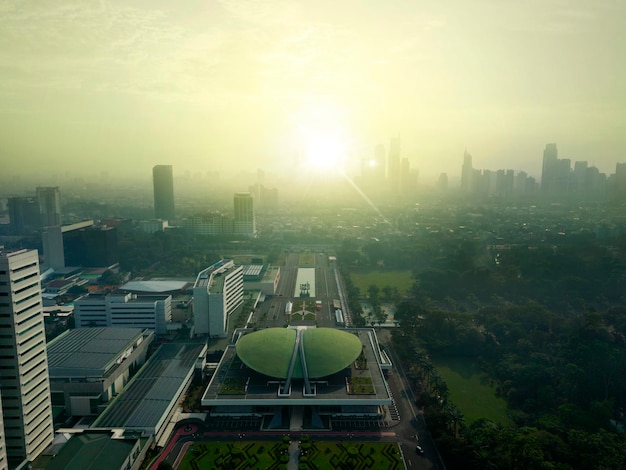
(306, 260)
(471, 391)
(402, 280)
(270, 455)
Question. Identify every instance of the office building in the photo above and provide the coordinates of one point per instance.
(217, 292)
(23, 215)
(24, 382)
(49, 199)
(4, 462)
(467, 173)
(80, 244)
(89, 366)
(153, 312)
(163, 182)
(244, 220)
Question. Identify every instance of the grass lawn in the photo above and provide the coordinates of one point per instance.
(268, 455)
(306, 260)
(471, 392)
(402, 280)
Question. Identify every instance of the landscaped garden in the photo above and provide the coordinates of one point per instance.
(233, 386)
(254, 455)
(360, 386)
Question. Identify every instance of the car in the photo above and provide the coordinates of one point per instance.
(419, 450)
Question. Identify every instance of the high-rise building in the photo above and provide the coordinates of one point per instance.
(24, 381)
(467, 173)
(23, 215)
(554, 172)
(244, 219)
(163, 182)
(49, 199)
(80, 244)
(217, 292)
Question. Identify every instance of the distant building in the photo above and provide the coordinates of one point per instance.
(49, 199)
(467, 173)
(153, 226)
(24, 215)
(214, 224)
(244, 217)
(163, 182)
(24, 382)
(153, 312)
(217, 292)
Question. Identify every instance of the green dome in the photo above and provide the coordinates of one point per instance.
(326, 351)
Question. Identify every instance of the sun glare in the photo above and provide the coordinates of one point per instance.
(324, 150)
(322, 136)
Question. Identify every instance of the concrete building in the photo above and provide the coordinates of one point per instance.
(89, 366)
(49, 199)
(163, 184)
(301, 378)
(24, 382)
(261, 277)
(23, 215)
(217, 292)
(80, 244)
(152, 396)
(244, 220)
(153, 312)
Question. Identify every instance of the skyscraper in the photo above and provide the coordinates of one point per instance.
(163, 182)
(49, 199)
(24, 381)
(467, 173)
(245, 223)
(24, 215)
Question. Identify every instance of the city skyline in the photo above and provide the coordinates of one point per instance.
(236, 85)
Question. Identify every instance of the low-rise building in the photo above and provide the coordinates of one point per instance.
(126, 310)
(89, 366)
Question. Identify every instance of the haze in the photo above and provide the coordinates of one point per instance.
(231, 85)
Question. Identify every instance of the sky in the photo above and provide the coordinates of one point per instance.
(243, 84)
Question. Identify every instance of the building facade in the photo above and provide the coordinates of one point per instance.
(245, 223)
(152, 312)
(163, 184)
(217, 292)
(49, 199)
(24, 381)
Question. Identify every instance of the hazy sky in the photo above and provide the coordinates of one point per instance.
(232, 84)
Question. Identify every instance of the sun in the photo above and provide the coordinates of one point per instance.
(322, 136)
(324, 149)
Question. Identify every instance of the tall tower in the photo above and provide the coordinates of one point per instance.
(245, 223)
(163, 182)
(466, 173)
(24, 381)
(49, 199)
(548, 170)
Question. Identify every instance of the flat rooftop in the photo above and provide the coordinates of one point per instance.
(90, 349)
(148, 397)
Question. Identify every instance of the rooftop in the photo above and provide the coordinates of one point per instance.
(90, 348)
(148, 397)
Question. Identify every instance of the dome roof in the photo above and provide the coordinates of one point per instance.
(326, 351)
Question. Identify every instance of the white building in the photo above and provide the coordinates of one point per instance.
(153, 312)
(217, 292)
(245, 224)
(24, 381)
